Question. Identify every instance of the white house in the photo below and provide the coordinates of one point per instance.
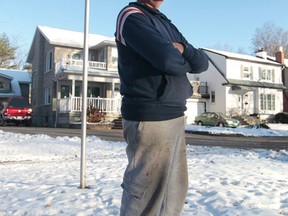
(242, 85)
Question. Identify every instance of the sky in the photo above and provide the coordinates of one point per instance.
(206, 24)
(40, 175)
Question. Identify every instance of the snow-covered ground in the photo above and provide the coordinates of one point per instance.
(40, 175)
(275, 130)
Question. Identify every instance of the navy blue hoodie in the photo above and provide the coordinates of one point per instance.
(152, 72)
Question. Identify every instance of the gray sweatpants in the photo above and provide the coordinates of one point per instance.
(156, 179)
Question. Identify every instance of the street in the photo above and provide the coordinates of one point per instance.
(273, 143)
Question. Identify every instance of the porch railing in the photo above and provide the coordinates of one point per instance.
(66, 64)
(74, 104)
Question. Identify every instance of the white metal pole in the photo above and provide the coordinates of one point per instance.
(84, 97)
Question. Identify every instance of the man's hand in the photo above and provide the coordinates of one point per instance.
(179, 46)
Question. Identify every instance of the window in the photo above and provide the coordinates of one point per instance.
(93, 92)
(266, 74)
(65, 91)
(267, 102)
(77, 91)
(246, 72)
(77, 56)
(49, 61)
(47, 96)
(5, 86)
(100, 57)
(114, 56)
(213, 99)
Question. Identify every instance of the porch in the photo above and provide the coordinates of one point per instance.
(74, 104)
(77, 65)
(113, 105)
(104, 110)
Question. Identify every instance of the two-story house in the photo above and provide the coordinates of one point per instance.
(56, 56)
(243, 85)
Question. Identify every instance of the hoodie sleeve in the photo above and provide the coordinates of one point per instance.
(197, 58)
(138, 33)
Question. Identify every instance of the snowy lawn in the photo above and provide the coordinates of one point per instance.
(40, 175)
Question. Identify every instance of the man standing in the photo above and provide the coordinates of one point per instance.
(153, 59)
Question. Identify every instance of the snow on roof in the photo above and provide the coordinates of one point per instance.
(240, 56)
(70, 38)
(17, 77)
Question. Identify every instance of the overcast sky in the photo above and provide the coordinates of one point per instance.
(208, 24)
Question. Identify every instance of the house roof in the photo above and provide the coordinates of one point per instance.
(5, 76)
(248, 83)
(69, 38)
(242, 57)
(16, 77)
(104, 43)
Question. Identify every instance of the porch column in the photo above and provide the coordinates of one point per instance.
(256, 101)
(58, 97)
(58, 92)
(73, 88)
(113, 89)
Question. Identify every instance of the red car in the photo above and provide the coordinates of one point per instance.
(15, 110)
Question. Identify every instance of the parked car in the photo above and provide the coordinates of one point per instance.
(15, 110)
(216, 119)
(281, 117)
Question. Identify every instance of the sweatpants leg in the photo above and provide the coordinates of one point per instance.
(156, 180)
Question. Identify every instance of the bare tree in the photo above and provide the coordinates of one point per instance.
(7, 53)
(226, 47)
(270, 37)
(20, 53)
(223, 47)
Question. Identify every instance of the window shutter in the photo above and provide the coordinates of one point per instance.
(242, 71)
(273, 75)
(251, 73)
(260, 75)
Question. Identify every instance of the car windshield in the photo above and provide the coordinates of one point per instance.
(19, 102)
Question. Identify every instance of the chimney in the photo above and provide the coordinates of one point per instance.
(280, 55)
(261, 53)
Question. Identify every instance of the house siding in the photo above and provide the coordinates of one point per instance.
(38, 69)
(65, 53)
(214, 81)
